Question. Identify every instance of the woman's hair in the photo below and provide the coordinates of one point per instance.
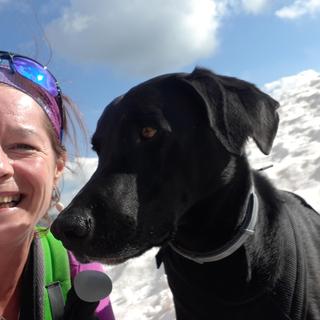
(72, 124)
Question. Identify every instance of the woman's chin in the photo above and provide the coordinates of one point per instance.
(15, 226)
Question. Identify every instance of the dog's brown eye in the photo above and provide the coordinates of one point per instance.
(148, 132)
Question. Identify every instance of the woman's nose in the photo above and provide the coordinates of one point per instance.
(6, 165)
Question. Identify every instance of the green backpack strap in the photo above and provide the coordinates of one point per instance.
(56, 274)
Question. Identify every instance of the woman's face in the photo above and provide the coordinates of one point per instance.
(29, 168)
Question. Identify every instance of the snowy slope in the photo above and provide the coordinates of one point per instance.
(140, 290)
(296, 152)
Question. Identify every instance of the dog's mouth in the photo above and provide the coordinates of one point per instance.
(122, 255)
(115, 249)
(112, 260)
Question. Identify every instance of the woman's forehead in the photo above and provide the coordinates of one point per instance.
(16, 100)
(20, 110)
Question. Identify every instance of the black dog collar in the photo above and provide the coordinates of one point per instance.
(244, 232)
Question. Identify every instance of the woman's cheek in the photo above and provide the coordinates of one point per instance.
(35, 179)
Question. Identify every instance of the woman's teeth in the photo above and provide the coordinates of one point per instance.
(9, 201)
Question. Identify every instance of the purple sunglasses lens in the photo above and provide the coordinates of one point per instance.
(36, 73)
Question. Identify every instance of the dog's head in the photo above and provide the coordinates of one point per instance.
(162, 147)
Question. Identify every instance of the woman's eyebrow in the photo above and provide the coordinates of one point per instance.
(25, 131)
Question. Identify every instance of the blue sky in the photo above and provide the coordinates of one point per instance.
(100, 48)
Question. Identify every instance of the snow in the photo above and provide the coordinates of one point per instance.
(140, 290)
(296, 152)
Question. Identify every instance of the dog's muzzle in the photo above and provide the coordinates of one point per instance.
(72, 226)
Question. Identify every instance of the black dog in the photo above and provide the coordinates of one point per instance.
(172, 173)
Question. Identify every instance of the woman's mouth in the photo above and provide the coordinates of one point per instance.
(9, 201)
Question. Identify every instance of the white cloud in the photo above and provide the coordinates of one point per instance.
(141, 36)
(247, 6)
(254, 6)
(299, 8)
(144, 37)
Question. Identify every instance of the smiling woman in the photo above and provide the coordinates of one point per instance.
(33, 125)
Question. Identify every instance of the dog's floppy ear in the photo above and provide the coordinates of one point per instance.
(236, 110)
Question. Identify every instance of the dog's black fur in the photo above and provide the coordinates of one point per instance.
(188, 184)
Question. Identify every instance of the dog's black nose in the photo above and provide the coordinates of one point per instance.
(73, 225)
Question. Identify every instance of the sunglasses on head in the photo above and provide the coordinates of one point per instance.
(39, 75)
(34, 71)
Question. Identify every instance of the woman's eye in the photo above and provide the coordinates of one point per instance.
(148, 132)
(23, 147)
